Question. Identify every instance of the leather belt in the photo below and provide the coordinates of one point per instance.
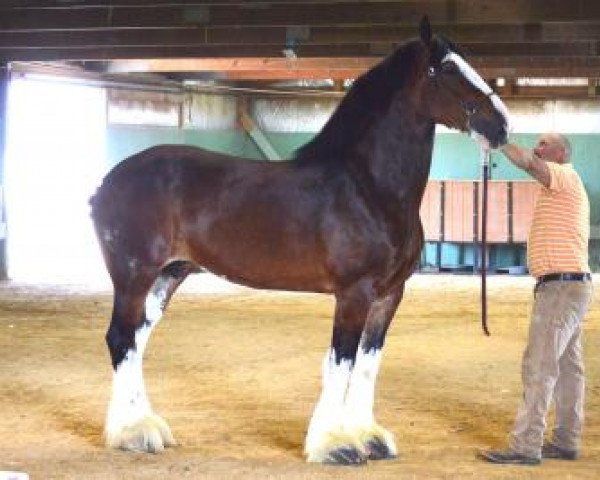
(566, 277)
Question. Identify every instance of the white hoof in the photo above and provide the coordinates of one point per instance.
(150, 434)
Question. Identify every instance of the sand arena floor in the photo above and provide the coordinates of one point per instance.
(236, 374)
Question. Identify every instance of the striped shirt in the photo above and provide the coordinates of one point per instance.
(560, 228)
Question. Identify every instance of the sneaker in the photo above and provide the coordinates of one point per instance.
(549, 450)
(509, 457)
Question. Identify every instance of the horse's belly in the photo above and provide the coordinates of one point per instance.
(273, 275)
(258, 262)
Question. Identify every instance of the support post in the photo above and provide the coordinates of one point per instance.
(257, 136)
(4, 78)
(485, 172)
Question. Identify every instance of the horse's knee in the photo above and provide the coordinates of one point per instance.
(118, 342)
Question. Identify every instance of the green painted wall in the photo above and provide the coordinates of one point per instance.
(455, 157)
(123, 141)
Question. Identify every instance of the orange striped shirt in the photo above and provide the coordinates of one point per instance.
(560, 228)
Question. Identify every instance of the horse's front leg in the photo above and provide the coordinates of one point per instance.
(329, 440)
(359, 418)
(343, 429)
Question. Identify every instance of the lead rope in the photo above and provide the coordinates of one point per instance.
(485, 173)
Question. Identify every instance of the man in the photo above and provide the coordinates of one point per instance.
(557, 255)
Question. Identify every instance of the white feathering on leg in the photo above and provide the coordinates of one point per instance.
(130, 422)
(327, 419)
(359, 418)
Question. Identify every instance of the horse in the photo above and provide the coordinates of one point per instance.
(341, 216)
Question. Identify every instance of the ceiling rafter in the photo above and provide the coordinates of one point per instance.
(334, 39)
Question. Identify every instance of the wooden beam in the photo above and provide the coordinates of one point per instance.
(176, 14)
(205, 51)
(260, 82)
(255, 133)
(337, 67)
(49, 4)
(342, 68)
(501, 35)
(536, 66)
(571, 53)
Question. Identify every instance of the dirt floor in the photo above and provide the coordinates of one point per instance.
(237, 373)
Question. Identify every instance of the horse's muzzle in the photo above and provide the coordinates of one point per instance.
(496, 133)
(501, 138)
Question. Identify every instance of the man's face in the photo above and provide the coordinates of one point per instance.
(550, 149)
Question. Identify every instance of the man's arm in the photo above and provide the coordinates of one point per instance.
(528, 161)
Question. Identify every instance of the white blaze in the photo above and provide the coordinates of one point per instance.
(468, 72)
(478, 82)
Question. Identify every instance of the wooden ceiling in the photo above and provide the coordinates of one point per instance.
(243, 41)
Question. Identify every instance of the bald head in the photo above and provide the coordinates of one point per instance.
(553, 147)
(564, 141)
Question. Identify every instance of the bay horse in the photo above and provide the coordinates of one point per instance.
(340, 217)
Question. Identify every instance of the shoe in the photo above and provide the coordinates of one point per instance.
(509, 457)
(549, 450)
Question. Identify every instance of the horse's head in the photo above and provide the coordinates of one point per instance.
(457, 96)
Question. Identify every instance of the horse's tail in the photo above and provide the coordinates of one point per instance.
(93, 203)
(98, 200)
(98, 197)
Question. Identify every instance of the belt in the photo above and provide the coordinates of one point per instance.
(566, 277)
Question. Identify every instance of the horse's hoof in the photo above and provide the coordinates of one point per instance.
(379, 450)
(336, 449)
(348, 455)
(378, 443)
(151, 434)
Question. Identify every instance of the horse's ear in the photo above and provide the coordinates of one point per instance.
(425, 30)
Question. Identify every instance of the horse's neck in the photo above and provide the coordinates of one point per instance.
(394, 158)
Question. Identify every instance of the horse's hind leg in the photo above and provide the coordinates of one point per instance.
(130, 422)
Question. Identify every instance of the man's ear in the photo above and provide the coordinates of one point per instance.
(425, 30)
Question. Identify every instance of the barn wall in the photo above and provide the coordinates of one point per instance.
(210, 121)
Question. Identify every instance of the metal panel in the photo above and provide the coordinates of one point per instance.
(497, 225)
(297, 115)
(458, 208)
(207, 111)
(524, 197)
(431, 208)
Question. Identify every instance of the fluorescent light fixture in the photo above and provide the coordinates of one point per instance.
(552, 82)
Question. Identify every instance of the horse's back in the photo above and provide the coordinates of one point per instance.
(158, 174)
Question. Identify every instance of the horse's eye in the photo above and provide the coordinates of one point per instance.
(431, 71)
(449, 67)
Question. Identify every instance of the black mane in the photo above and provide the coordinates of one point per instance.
(366, 102)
